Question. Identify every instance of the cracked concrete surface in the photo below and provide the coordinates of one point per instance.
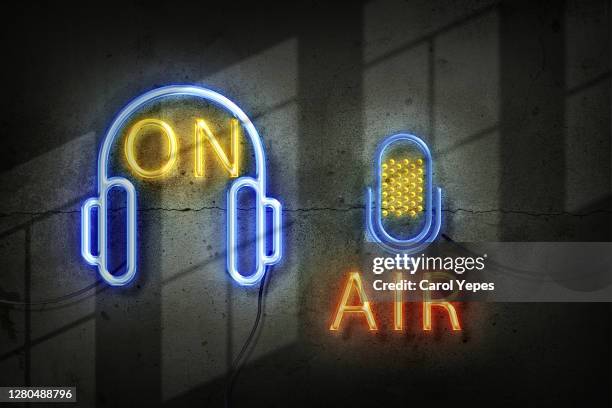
(311, 209)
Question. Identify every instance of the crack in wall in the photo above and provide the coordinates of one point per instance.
(531, 213)
(317, 209)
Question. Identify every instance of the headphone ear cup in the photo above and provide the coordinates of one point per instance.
(130, 232)
(232, 232)
(262, 203)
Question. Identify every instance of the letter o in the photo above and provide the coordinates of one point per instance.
(172, 147)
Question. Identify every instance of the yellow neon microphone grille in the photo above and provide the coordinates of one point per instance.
(402, 187)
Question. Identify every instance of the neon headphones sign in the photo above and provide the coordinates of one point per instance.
(263, 257)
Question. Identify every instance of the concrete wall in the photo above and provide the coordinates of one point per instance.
(513, 98)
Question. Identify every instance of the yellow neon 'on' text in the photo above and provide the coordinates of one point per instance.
(203, 132)
(130, 153)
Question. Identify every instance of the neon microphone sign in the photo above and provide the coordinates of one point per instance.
(264, 257)
(404, 189)
(404, 197)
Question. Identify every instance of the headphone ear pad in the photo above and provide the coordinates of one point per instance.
(130, 242)
(233, 246)
(86, 216)
(263, 203)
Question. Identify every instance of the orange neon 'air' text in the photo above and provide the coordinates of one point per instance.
(354, 281)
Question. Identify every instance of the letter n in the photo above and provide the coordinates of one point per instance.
(202, 133)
